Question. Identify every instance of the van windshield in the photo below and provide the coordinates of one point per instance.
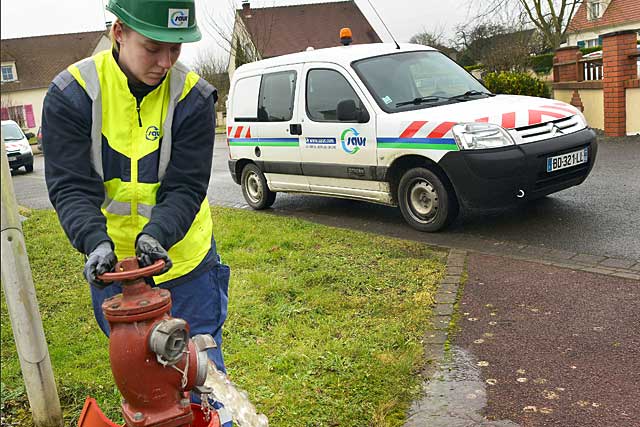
(11, 132)
(414, 80)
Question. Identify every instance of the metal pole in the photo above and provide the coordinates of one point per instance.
(17, 284)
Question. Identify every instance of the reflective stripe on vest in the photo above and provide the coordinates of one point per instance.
(123, 151)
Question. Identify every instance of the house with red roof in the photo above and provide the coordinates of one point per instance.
(261, 33)
(597, 17)
(29, 65)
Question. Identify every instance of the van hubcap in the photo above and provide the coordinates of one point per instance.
(423, 200)
(254, 188)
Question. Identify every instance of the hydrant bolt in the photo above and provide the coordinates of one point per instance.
(138, 416)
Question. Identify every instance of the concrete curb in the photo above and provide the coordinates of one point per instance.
(434, 341)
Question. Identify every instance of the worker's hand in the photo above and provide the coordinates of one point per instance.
(101, 260)
(150, 250)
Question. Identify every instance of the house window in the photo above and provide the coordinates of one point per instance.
(17, 115)
(591, 43)
(8, 74)
(594, 10)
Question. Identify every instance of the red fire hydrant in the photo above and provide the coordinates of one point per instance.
(154, 363)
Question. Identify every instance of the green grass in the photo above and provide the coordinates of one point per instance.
(324, 326)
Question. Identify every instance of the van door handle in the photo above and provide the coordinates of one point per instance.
(295, 129)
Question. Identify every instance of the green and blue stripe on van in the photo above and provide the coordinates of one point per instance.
(448, 144)
(264, 142)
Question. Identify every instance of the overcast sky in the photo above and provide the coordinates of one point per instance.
(24, 18)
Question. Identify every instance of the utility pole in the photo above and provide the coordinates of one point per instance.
(17, 284)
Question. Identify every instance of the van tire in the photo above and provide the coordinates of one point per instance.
(255, 189)
(29, 167)
(425, 202)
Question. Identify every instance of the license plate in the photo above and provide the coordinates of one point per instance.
(567, 160)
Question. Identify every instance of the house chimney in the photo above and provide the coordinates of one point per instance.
(246, 8)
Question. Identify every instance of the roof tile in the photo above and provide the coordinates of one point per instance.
(39, 59)
(286, 29)
(618, 12)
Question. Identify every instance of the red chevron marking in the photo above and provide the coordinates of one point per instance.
(535, 116)
(441, 130)
(509, 120)
(412, 129)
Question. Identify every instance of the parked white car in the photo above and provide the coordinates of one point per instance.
(18, 148)
(397, 125)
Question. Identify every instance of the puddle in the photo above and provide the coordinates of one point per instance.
(454, 397)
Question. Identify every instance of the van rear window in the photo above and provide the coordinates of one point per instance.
(245, 99)
(276, 97)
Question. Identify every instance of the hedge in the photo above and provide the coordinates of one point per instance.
(513, 83)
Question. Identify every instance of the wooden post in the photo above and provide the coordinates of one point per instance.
(17, 284)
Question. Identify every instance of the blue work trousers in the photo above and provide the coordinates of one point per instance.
(202, 302)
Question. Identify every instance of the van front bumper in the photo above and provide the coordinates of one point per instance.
(17, 159)
(504, 176)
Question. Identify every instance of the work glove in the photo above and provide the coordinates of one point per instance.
(149, 250)
(101, 260)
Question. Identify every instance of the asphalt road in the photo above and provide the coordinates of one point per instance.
(599, 217)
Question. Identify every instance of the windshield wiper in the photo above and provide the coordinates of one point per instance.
(12, 139)
(469, 93)
(422, 99)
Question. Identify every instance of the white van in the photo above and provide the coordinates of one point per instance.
(17, 145)
(397, 125)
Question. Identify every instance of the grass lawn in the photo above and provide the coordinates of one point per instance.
(324, 326)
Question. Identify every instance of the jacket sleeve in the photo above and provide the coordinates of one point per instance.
(186, 180)
(75, 189)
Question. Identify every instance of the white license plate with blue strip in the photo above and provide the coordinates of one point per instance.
(567, 160)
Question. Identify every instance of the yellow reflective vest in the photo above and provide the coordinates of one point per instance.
(131, 150)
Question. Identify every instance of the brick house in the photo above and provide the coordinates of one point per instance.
(29, 64)
(266, 32)
(597, 17)
(604, 84)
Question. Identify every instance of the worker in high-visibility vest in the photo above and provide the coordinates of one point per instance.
(128, 143)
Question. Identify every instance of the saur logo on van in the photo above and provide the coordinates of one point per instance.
(153, 133)
(352, 144)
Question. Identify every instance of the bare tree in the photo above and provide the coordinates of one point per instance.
(14, 112)
(214, 70)
(433, 38)
(497, 47)
(227, 28)
(550, 17)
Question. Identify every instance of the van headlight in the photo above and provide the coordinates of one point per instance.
(25, 147)
(582, 120)
(479, 136)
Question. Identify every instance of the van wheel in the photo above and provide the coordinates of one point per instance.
(255, 189)
(424, 201)
(29, 167)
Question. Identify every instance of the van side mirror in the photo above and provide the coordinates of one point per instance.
(29, 135)
(348, 112)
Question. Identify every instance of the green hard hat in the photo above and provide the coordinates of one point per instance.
(172, 21)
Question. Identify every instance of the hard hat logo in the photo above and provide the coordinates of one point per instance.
(170, 21)
(178, 18)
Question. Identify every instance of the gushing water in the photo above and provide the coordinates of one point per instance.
(236, 401)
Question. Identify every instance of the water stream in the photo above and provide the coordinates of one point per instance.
(235, 400)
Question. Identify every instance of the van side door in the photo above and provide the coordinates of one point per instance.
(338, 145)
(265, 136)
